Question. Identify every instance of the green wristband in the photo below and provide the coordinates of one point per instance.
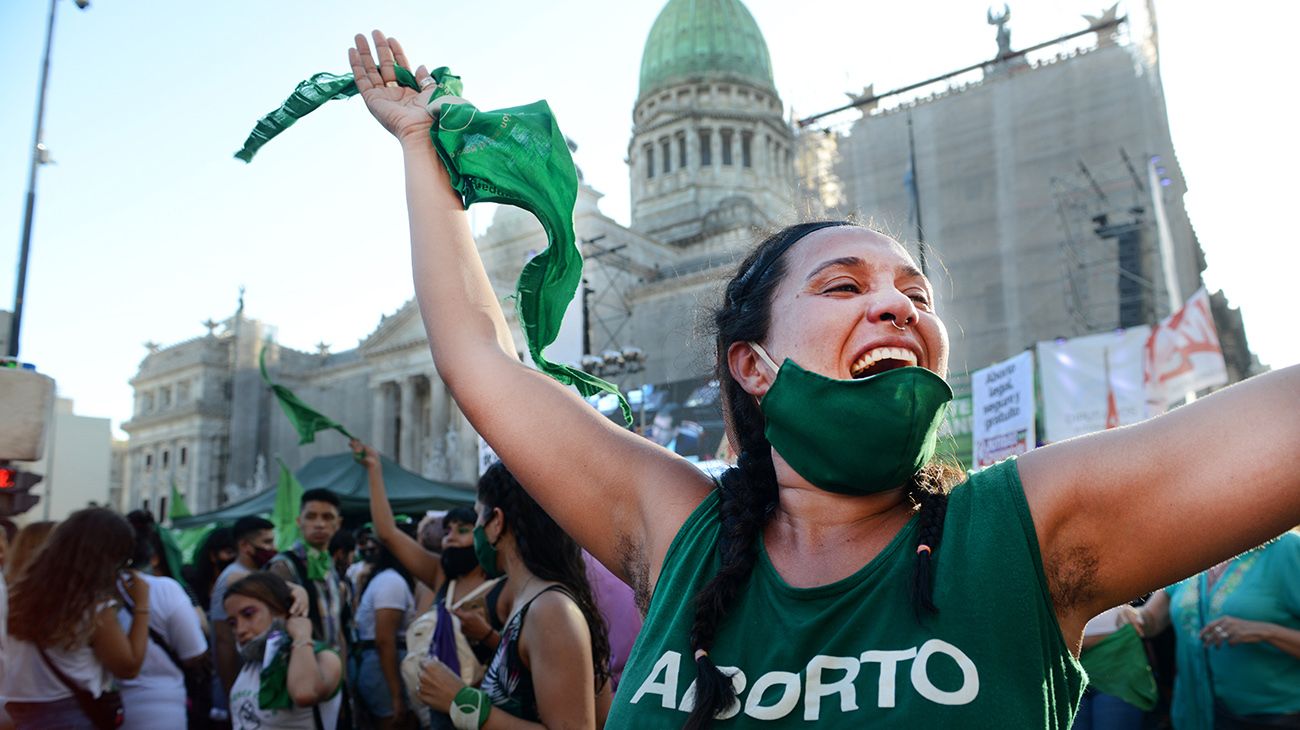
(469, 709)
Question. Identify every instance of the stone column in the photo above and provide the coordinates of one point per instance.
(379, 418)
(408, 431)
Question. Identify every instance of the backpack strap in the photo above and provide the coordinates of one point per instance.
(154, 636)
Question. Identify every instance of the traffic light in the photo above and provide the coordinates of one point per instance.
(15, 485)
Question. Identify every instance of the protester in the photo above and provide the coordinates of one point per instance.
(65, 644)
(27, 543)
(1237, 631)
(308, 564)
(287, 680)
(383, 612)
(834, 540)
(453, 574)
(255, 546)
(553, 659)
(157, 697)
(212, 557)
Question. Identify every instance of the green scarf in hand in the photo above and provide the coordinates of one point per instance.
(515, 156)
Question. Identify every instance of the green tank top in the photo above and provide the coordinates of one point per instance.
(852, 654)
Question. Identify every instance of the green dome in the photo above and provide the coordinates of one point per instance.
(698, 38)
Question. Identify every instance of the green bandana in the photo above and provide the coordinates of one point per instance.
(273, 684)
(318, 564)
(1117, 665)
(306, 420)
(515, 156)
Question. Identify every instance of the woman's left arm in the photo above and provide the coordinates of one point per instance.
(312, 677)
(1122, 512)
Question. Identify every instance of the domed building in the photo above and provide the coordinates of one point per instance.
(709, 149)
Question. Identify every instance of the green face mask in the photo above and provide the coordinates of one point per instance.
(854, 436)
(486, 553)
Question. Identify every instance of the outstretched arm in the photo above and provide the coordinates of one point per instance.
(1125, 511)
(570, 458)
(423, 565)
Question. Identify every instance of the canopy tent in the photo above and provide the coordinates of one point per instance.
(408, 492)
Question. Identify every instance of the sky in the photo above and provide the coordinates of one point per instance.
(146, 226)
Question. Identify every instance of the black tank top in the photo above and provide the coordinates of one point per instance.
(508, 683)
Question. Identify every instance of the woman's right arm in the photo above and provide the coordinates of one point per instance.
(571, 459)
(421, 563)
(123, 653)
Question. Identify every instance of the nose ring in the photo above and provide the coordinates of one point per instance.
(897, 326)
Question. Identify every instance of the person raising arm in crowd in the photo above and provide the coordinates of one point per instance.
(837, 530)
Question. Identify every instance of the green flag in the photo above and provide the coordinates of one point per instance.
(306, 420)
(177, 509)
(1117, 665)
(515, 156)
(288, 499)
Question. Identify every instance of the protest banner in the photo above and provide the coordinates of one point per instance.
(1002, 400)
(1081, 376)
(1183, 354)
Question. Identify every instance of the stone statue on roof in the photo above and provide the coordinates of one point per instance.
(1004, 33)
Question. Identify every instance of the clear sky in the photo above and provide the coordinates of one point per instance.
(146, 225)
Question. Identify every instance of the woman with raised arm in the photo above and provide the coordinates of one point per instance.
(551, 666)
(832, 576)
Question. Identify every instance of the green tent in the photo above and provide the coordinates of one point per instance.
(408, 492)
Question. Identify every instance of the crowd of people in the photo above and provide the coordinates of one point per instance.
(103, 631)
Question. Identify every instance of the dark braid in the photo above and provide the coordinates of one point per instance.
(748, 492)
(929, 490)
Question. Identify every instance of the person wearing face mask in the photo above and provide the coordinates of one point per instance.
(286, 681)
(453, 574)
(254, 548)
(839, 574)
(552, 663)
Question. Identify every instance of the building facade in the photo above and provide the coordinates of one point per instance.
(1034, 178)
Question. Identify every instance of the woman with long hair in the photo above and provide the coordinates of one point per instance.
(833, 575)
(383, 612)
(287, 681)
(553, 658)
(65, 643)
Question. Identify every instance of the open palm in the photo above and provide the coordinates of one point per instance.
(399, 109)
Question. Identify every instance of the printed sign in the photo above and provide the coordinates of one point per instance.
(1002, 414)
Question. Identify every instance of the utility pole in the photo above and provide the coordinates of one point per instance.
(39, 157)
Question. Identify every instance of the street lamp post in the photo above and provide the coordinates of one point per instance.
(40, 156)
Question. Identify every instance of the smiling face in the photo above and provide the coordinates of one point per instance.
(852, 303)
(249, 617)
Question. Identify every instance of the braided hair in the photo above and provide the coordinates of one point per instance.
(748, 492)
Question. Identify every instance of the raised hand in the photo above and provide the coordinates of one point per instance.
(366, 455)
(400, 110)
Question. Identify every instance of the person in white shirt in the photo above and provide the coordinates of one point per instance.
(386, 607)
(64, 636)
(155, 698)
